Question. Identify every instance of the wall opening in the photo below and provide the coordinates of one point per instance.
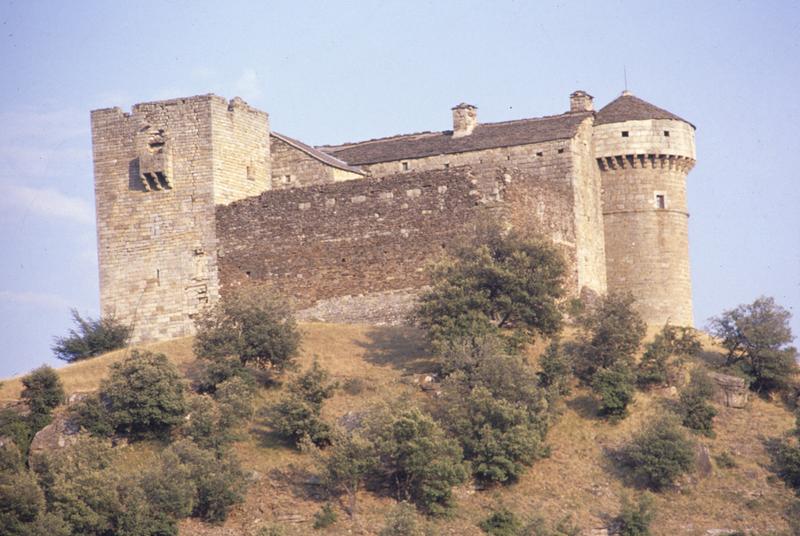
(625, 133)
(661, 202)
(405, 166)
(666, 133)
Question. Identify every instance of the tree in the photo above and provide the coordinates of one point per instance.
(43, 392)
(502, 522)
(757, 336)
(346, 464)
(417, 459)
(611, 334)
(251, 324)
(206, 423)
(144, 395)
(693, 406)
(657, 363)
(556, 371)
(500, 282)
(235, 398)
(91, 337)
(298, 415)
(660, 454)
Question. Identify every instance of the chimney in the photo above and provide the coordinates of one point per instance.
(465, 119)
(580, 101)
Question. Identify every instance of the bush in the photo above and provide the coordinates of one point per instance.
(21, 502)
(725, 460)
(657, 364)
(693, 406)
(492, 405)
(500, 282)
(757, 336)
(17, 427)
(556, 371)
(206, 424)
(610, 335)
(297, 416)
(235, 398)
(91, 337)
(93, 415)
(502, 523)
(145, 395)
(218, 370)
(660, 454)
(251, 324)
(402, 521)
(218, 480)
(346, 464)
(615, 387)
(539, 527)
(788, 462)
(43, 391)
(635, 519)
(417, 459)
(325, 517)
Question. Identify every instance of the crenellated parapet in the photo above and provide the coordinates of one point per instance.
(669, 162)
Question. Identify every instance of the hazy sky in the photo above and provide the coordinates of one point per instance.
(331, 72)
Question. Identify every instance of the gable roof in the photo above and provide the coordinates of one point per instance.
(485, 136)
(325, 158)
(626, 107)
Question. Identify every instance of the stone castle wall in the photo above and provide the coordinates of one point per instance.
(159, 171)
(349, 238)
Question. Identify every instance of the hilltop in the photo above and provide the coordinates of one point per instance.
(375, 364)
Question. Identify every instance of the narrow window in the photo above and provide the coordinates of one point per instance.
(666, 133)
(539, 153)
(660, 202)
(405, 166)
(624, 133)
(447, 165)
(560, 151)
(287, 179)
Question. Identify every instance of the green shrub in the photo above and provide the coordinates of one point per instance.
(297, 415)
(145, 395)
(503, 522)
(417, 459)
(615, 387)
(205, 424)
(539, 527)
(611, 333)
(693, 406)
(788, 462)
(354, 386)
(667, 350)
(217, 477)
(725, 460)
(402, 521)
(758, 336)
(556, 371)
(325, 517)
(168, 486)
(499, 282)
(660, 454)
(635, 519)
(272, 530)
(92, 415)
(43, 391)
(346, 465)
(17, 427)
(235, 397)
(21, 502)
(251, 324)
(220, 369)
(91, 337)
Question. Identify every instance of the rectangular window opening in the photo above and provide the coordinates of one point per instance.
(447, 165)
(405, 166)
(539, 153)
(660, 201)
(624, 133)
(666, 133)
(560, 151)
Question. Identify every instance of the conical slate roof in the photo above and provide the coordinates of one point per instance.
(626, 107)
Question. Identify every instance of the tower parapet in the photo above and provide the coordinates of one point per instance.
(644, 154)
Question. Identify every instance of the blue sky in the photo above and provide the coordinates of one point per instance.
(331, 72)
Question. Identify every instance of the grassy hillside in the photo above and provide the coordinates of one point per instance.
(578, 479)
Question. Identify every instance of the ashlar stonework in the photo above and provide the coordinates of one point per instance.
(197, 195)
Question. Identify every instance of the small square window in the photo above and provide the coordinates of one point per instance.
(666, 133)
(539, 154)
(560, 151)
(287, 179)
(405, 166)
(660, 201)
(624, 133)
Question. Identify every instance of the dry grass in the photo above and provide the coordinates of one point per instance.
(578, 479)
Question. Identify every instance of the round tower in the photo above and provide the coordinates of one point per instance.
(644, 154)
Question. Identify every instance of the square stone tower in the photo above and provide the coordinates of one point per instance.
(160, 171)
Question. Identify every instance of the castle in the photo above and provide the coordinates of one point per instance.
(197, 194)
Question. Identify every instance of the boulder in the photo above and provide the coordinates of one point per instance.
(703, 460)
(56, 435)
(730, 391)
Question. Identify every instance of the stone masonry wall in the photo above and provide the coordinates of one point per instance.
(156, 235)
(647, 245)
(349, 238)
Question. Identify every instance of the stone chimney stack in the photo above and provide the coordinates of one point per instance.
(580, 101)
(465, 119)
